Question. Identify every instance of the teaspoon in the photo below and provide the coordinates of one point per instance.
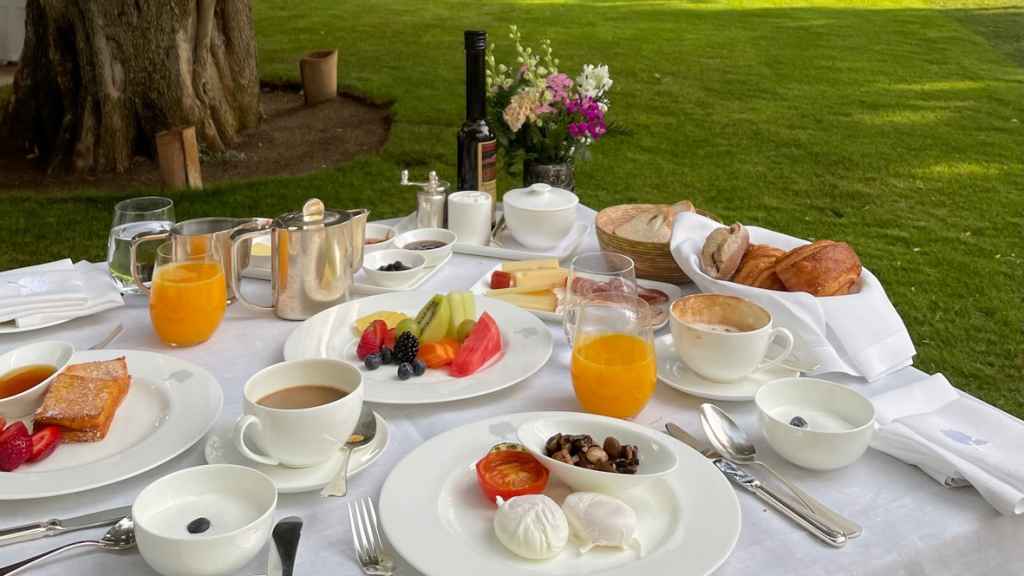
(366, 430)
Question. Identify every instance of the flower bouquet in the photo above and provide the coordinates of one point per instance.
(544, 116)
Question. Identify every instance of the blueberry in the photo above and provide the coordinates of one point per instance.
(418, 367)
(798, 422)
(198, 526)
(405, 371)
(385, 355)
(373, 361)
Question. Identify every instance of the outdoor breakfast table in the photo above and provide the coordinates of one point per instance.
(912, 525)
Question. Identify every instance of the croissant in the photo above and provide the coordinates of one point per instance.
(822, 268)
(758, 267)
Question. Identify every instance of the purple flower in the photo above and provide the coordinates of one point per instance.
(578, 130)
(559, 84)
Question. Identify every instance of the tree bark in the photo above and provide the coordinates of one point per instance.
(99, 78)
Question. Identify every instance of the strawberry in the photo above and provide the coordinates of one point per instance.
(15, 430)
(14, 452)
(3, 422)
(44, 441)
(372, 339)
(389, 339)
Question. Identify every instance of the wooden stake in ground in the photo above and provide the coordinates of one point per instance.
(319, 72)
(99, 79)
(178, 155)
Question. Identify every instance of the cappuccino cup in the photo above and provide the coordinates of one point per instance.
(299, 413)
(724, 338)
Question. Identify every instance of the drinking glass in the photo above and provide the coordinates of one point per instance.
(595, 273)
(614, 370)
(188, 295)
(136, 217)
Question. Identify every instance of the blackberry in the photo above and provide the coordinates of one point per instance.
(406, 348)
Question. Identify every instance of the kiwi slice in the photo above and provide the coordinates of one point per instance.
(433, 319)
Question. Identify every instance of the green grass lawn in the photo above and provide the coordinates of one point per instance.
(895, 125)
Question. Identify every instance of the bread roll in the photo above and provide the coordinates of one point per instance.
(722, 251)
(822, 268)
(758, 267)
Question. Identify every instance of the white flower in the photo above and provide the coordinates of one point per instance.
(594, 80)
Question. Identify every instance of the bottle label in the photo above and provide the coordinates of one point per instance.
(487, 167)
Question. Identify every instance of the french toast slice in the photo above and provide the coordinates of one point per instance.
(84, 406)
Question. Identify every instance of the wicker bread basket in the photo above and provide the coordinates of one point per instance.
(653, 259)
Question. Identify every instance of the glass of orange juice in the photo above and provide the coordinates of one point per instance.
(613, 366)
(188, 295)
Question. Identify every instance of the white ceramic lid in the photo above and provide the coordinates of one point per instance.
(540, 197)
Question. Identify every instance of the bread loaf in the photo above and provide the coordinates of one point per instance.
(822, 268)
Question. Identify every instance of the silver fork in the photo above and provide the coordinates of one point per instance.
(366, 539)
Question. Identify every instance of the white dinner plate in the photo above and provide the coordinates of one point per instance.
(12, 328)
(170, 405)
(674, 372)
(526, 346)
(436, 517)
(220, 449)
(661, 310)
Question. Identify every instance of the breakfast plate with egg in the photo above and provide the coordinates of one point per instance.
(486, 506)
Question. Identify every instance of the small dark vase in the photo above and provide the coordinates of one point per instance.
(557, 175)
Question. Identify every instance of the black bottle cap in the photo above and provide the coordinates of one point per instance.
(476, 40)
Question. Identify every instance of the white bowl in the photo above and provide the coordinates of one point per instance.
(374, 230)
(238, 501)
(52, 353)
(434, 256)
(540, 216)
(413, 259)
(840, 422)
(657, 456)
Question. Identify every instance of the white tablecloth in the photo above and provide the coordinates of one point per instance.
(912, 525)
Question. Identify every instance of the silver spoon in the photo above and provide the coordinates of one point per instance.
(121, 536)
(733, 443)
(366, 430)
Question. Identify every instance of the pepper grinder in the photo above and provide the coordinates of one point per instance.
(431, 200)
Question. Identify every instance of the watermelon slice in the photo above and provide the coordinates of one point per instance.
(482, 344)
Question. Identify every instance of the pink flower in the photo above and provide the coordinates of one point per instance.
(578, 130)
(559, 84)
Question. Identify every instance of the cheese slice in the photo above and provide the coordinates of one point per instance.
(544, 300)
(540, 279)
(529, 265)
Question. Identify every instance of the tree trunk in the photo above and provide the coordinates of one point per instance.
(99, 78)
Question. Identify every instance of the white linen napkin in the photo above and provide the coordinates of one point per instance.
(930, 424)
(859, 334)
(56, 291)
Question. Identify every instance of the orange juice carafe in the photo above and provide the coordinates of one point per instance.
(187, 297)
(614, 370)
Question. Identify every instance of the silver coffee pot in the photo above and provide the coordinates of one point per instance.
(314, 255)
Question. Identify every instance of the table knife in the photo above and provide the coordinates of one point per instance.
(55, 526)
(811, 522)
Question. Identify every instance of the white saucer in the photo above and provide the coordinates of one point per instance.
(220, 449)
(674, 372)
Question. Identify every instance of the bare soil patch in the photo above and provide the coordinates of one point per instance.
(291, 140)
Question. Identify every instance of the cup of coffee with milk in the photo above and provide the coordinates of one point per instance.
(299, 413)
(725, 338)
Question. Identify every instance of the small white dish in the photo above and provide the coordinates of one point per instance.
(840, 422)
(384, 234)
(434, 256)
(657, 457)
(239, 503)
(676, 374)
(691, 513)
(171, 404)
(50, 353)
(220, 449)
(361, 283)
(415, 261)
(540, 216)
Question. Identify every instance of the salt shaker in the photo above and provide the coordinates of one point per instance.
(431, 200)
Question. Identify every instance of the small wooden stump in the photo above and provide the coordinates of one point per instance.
(319, 70)
(178, 155)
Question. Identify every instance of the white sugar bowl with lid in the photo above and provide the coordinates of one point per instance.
(540, 216)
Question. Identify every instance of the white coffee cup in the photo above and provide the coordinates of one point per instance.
(725, 338)
(299, 437)
(469, 216)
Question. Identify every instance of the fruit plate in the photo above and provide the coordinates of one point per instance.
(170, 405)
(526, 347)
(661, 309)
(507, 248)
(689, 520)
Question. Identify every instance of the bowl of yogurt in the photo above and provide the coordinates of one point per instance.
(204, 520)
(815, 423)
